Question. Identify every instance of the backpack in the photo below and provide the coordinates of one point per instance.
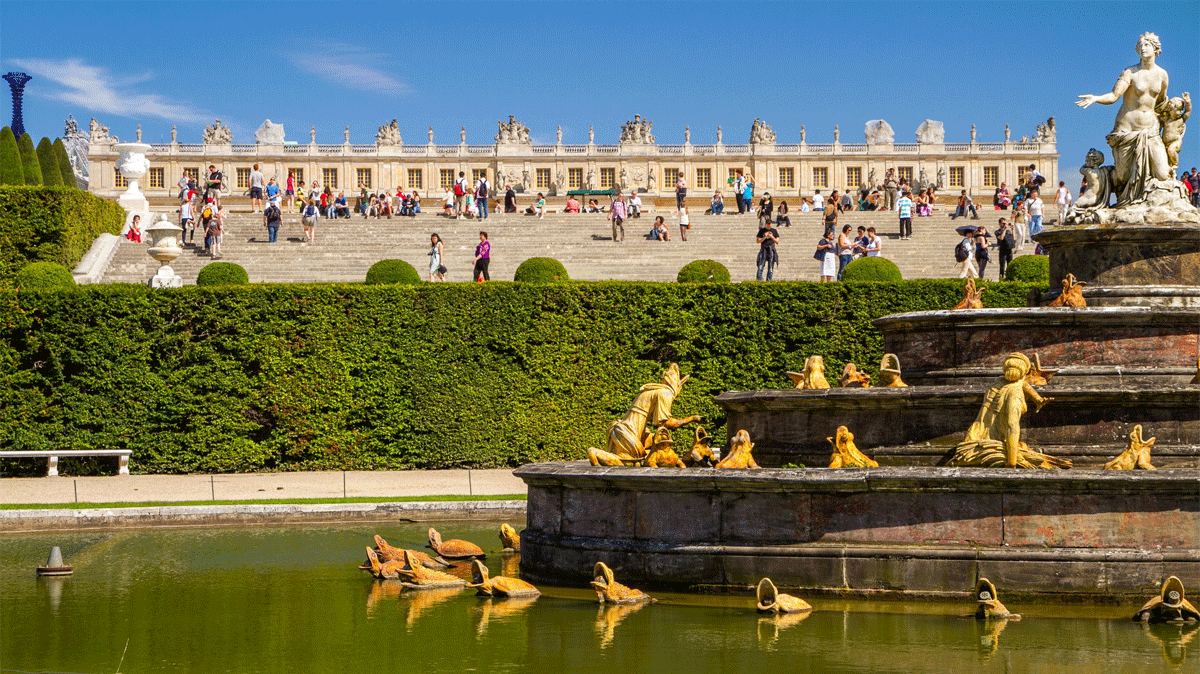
(482, 190)
(960, 252)
(207, 213)
(272, 213)
(458, 189)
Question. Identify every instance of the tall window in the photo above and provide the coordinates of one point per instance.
(158, 177)
(787, 176)
(904, 173)
(446, 178)
(672, 177)
(543, 179)
(243, 178)
(958, 176)
(853, 177)
(703, 179)
(415, 180)
(329, 177)
(364, 177)
(991, 176)
(574, 178)
(608, 178)
(118, 179)
(732, 176)
(193, 174)
(297, 175)
(476, 174)
(820, 176)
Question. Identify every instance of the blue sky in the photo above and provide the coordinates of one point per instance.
(452, 64)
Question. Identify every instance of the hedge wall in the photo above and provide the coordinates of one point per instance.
(292, 377)
(51, 224)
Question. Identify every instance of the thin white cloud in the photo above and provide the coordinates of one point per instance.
(94, 89)
(343, 65)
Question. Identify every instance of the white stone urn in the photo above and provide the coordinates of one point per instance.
(133, 166)
(164, 247)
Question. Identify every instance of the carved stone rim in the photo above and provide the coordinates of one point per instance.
(1059, 235)
(1043, 317)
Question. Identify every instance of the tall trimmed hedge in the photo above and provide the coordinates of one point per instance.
(64, 163)
(51, 224)
(51, 173)
(439, 375)
(10, 159)
(29, 160)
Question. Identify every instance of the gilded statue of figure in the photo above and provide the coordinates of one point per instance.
(994, 439)
(629, 440)
(813, 376)
(662, 453)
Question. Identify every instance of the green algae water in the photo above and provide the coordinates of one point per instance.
(290, 599)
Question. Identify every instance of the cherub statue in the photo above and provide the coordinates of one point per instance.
(629, 441)
(994, 439)
(889, 372)
(739, 452)
(1174, 113)
(1136, 455)
(852, 378)
(1071, 295)
(813, 376)
(972, 297)
(846, 454)
(1097, 182)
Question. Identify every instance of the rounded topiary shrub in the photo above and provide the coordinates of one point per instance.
(222, 274)
(44, 276)
(541, 270)
(703, 271)
(1029, 269)
(392, 271)
(872, 269)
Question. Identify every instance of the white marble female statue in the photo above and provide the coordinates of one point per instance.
(1139, 155)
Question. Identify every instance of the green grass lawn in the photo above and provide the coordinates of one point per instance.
(264, 501)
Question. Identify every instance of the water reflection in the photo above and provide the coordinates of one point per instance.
(988, 632)
(769, 626)
(53, 587)
(510, 564)
(500, 609)
(611, 615)
(381, 590)
(1173, 638)
(416, 602)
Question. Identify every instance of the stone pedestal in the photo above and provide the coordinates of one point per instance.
(164, 247)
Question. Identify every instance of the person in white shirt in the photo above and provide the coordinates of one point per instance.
(818, 201)
(634, 205)
(684, 223)
(257, 183)
(874, 243)
(1034, 209)
(1063, 201)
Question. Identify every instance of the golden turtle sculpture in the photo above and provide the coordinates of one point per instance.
(972, 297)
(500, 586)
(702, 455)
(386, 570)
(415, 576)
(771, 600)
(889, 372)
(852, 378)
(509, 538)
(609, 591)
(1071, 295)
(739, 452)
(388, 553)
(1169, 606)
(988, 606)
(1136, 455)
(846, 454)
(454, 548)
(813, 376)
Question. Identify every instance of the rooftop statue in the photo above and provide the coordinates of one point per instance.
(1142, 175)
(629, 441)
(1071, 295)
(1169, 606)
(269, 133)
(389, 135)
(931, 132)
(1047, 133)
(217, 134)
(879, 132)
(846, 453)
(771, 600)
(513, 132)
(500, 586)
(761, 134)
(609, 591)
(98, 133)
(637, 132)
(739, 452)
(889, 372)
(994, 439)
(813, 376)
(1136, 455)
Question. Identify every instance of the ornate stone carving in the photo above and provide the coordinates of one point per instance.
(1007, 133)
(973, 132)
(174, 134)
(889, 372)
(462, 135)
(217, 134)
(312, 134)
(389, 135)
(718, 135)
(591, 179)
(513, 132)
(771, 600)
(1071, 295)
(941, 180)
(803, 134)
(687, 135)
(637, 132)
(558, 134)
(846, 454)
(76, 143)
(931, 132)
(139, 133)
(98, 133)
(561, 180)
(639, 176)
(813, 376)
(609, 591)
(525, 182)
(431, 135)
(624, 179)
(1169, 606)
(879, 132)
(269, 133)
(628, 437)
(1174, 115)
(837, 134)
(994, 439)
(1024, 139)
(346, 135)
(591, 135)
(1136, 455)
(1046, 132)
(739, 452)
(651, 183)
(761, 133)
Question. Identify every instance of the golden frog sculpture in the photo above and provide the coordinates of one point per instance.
(500, 586)
(662, 452)
(813, 376)
(1071, 295)
(628, 438)
(852, 378)
(972, 297)
(509, 538)
(988, 606)
(1136, 455)
(415, 576)
(889, 372)
(846, 454)
(1169, 606)
(739, 452)
(771, 600)
(701, 455)
(609, 591)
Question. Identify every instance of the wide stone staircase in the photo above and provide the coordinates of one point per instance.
(345, 249)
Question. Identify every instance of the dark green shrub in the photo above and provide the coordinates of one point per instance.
(64, 163)
(1029, 269)
(10, 159)
(875, 269)
(387, 272)
(51, 224)
(30, 167)
(44, 276)
(222, 274)
(703, 271)
(541, 270)
(51, 173)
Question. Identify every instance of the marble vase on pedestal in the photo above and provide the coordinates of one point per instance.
(164, 247)
(133, 166)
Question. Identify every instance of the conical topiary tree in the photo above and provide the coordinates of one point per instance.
(10, 159)
(29, 161)
(64, 163)
(51, 174)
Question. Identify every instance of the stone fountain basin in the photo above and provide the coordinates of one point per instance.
(912, 531)
(916, 425)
